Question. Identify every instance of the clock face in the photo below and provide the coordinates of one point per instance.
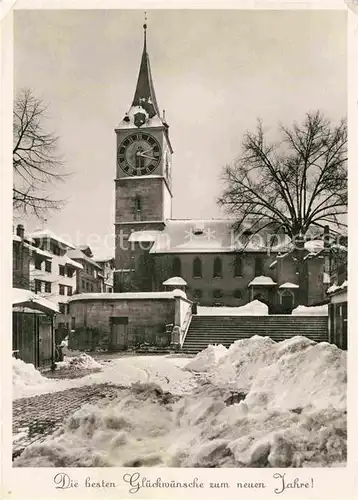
(139, 154)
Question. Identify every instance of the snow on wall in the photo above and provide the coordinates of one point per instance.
(254, 308)
(311, 310)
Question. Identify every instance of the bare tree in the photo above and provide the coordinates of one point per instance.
(36, 162)
(294, 185)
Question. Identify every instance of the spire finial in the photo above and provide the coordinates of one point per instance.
(145, 27)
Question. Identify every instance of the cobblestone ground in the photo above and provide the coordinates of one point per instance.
(37, 417)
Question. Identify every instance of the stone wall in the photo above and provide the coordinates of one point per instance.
(93, 324)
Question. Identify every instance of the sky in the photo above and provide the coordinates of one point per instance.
(215, 73)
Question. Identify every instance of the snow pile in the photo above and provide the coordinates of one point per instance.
(311, 310)
(207, 358)
(293, 416)
(25, 377)
(81, 362)
(254, 308)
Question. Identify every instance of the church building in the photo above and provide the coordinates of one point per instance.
(214, 264)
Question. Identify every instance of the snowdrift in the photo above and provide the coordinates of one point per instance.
(294, 415)
(207, 358)
(254, 308)
(311, 310)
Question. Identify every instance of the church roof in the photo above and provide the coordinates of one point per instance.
(207, 236)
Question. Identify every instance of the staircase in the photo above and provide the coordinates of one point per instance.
(205, 330)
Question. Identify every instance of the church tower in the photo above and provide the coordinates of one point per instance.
(143, 182)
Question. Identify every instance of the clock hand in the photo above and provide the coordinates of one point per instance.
(147, 151)
(141, 155)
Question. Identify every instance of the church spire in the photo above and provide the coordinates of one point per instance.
(144, 96)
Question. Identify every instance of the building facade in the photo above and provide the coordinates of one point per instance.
(220, 266)
(107, 271)
(90, 277)
(53, 275)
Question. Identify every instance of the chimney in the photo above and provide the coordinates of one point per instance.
(20, 231)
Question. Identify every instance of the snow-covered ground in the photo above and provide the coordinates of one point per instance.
(165, 370)
(294, 413)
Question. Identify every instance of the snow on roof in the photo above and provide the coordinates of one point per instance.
(128, 121)
(66, 260)
(78, 254)
(175, 281)
(47, 233)
(335, 288)
(262, 281)
(26, 297)
(145, 236)
(273, 264)
(45, 254)
(215, 235)
(288, 285)
(15, 237)
(128, 295)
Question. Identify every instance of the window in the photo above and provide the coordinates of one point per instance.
(70, 272)
(87, 286)
(217, 268)
(48, 266)
(73, 323)
(61, 270)
(238, 266)
(37, 286)
(92, 287)
(197, 294)
(197, 268)
(217, 294)
(83, 284)
(62, 308)
(67, 308)
(17, 260)
(47, 287)
(62, 290)
(237, 294)
(38, 263)
(137, 204)
(258, 266)
(176, 267)
(56, 250)
(69, 290)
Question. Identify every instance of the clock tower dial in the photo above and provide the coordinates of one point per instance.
(139, 154)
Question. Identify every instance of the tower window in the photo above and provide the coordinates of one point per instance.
(258, 266)
(176, 267)
(197, 268)
(137, 208)
(217, 268)
(238, 266)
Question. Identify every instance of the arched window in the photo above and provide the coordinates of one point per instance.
(217, 268)
(197, 268)
(238, 266)
(176, 267)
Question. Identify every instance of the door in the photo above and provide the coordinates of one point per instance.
(287, 301)
(119, 333)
